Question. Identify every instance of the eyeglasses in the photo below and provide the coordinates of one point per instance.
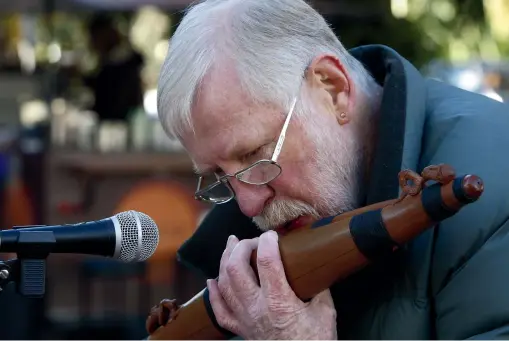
(259, 173)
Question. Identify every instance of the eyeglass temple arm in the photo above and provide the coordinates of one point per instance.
(198, 186)
(282, 136)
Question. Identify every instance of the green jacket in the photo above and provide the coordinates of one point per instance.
(451, 282)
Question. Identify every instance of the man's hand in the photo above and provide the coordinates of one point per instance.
(269, 310)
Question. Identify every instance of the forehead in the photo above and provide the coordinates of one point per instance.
(223, 116)
(221, 102)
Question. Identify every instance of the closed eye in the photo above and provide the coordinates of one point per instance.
(251, 154)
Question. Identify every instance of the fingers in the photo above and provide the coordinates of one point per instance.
(240, 273)
(271, 272)
(230, 244)
(237, 282)
(222, 312)
(223, 281)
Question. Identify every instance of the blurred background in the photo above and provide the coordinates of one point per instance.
(80, 140)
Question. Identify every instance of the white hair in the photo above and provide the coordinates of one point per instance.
(270, 43)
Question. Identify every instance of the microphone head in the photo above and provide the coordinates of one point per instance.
(137, 236)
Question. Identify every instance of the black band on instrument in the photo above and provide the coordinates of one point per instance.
(323, 222)
(433, 205)
(370, 235)
(457, 189)
(459, 193)
(228, 334)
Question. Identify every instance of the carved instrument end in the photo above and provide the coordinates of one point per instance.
(472, 187)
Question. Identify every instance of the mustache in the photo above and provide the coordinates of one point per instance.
(280, 211)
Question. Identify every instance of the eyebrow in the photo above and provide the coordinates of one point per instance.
(238, 149)
(243, 146)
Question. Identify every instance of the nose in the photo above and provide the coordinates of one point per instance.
(251, 198)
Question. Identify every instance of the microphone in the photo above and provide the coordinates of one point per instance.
(127, 236)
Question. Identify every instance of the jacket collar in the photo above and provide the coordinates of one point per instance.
(401, 121)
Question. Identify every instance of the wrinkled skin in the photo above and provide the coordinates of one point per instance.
(269, 310)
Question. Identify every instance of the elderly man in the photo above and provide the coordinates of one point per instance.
(285, 126)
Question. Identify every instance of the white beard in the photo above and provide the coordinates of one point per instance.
(280, 211)
(335, 181)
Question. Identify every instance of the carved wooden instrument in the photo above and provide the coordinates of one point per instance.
(318, 255)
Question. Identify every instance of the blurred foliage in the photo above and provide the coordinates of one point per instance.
(401, 35)
(454, 29)
(420, 30)
(423, 30)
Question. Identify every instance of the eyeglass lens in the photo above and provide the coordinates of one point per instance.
(217, 192)
(259, 174)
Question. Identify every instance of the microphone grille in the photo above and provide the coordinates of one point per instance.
(139, 236)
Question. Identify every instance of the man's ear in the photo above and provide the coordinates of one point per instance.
(326, 73)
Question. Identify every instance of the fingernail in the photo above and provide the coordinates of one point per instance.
(273, 235)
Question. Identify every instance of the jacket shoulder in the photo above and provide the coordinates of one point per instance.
(469, 132)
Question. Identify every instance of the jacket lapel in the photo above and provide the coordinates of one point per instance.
(401, 119)
(362, 298)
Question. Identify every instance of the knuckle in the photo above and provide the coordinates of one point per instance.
(232, 269)
(225, 322)
(223, 287)
(265, 262)
(222, 320)
(228, 297)
(226, 293)
(244, 243)
(278, 305)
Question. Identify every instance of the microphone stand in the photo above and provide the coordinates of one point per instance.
(28, 271)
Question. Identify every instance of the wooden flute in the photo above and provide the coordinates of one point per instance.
(320, 254)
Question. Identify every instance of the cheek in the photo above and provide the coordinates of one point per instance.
(295, 181)
(299, 169)
(288, 184)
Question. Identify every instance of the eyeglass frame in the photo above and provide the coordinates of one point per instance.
(273, 160)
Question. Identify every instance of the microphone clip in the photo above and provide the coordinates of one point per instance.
(28, 270)
(6, 272)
